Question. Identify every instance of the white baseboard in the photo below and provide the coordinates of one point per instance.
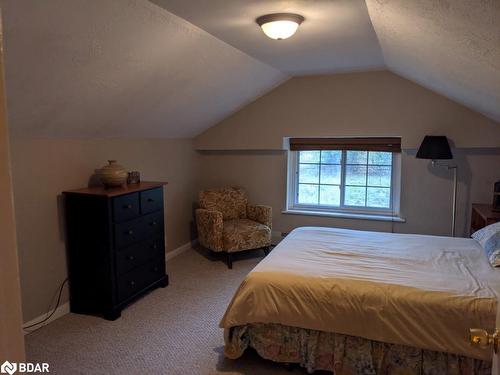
(64, 309)
(181, 249)
(60, 311)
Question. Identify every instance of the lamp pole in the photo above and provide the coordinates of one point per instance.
(455, 184)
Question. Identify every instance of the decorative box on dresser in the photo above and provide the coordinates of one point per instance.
(116, 246)
(482, 216)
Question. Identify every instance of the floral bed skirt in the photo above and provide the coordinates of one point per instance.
(343, 354)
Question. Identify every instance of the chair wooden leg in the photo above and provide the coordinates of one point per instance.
(229, 260)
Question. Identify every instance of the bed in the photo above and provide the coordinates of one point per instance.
(357, 302)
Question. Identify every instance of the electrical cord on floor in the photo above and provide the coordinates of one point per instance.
(53, 311)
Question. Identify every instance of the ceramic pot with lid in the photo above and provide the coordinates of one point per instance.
(113, 174)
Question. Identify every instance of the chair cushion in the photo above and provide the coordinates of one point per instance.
(244, 234)
(232, 202)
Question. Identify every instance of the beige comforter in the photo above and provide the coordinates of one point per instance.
(421, 291)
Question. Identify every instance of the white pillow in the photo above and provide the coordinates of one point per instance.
(489, 239)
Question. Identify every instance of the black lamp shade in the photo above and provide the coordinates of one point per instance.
(434, 147)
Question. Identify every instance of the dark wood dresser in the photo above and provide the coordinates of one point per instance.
(116, 246)
(482, 216)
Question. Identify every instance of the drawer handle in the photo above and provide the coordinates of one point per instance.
(127, 206)
(155, 269)
(130, 232)
(151, 200)
(131, 257)
(153, 223)
(132, 283)
(154, 246)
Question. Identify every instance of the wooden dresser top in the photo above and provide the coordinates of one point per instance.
(486, 211)
(115, 191)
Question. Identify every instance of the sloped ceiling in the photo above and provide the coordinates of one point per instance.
(135, 68)
(449, 46)
(115, 68)
(336, 36)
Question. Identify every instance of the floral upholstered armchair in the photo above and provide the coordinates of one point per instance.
(227, 223)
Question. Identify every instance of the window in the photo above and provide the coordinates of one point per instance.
(344, 179)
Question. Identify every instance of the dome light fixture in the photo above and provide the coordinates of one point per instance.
(280, 25)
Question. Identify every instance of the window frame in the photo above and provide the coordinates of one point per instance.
(292, 189)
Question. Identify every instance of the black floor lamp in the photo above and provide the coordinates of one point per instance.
(437, 148)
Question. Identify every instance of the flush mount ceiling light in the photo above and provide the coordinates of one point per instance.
(279, 25)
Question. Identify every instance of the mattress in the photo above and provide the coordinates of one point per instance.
(416, 290)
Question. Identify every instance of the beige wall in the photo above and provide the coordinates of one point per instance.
(11, 335)
(42, 169)
(363, 104)
(425, 191)
(353, 104)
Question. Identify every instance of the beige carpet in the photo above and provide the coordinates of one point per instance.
(169, 331)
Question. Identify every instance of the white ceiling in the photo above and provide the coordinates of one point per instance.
(336, 36)
(449, 46)
(114, 68)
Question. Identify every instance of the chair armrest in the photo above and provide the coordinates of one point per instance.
(209, 224)
(260, 213)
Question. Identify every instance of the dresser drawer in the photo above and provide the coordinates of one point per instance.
(155, 246)
(129, 232)
(153, 223)
(135, 255)
(133, 231)
(130, 257)
(140, 278)
(151, 200)
(125, 207)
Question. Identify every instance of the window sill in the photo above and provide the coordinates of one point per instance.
(346, 215)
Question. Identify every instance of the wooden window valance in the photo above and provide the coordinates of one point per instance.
(390, 144)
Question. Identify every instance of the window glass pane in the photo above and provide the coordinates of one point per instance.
(380, 158)
(356, 157)
(379, 197)
(368, 179)
(379, 176)
(355, 175)
(354, 196)
(309, 173)
(329, 195)
(309, 156)
(308, 194)
(331, 157)
(330, 174)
